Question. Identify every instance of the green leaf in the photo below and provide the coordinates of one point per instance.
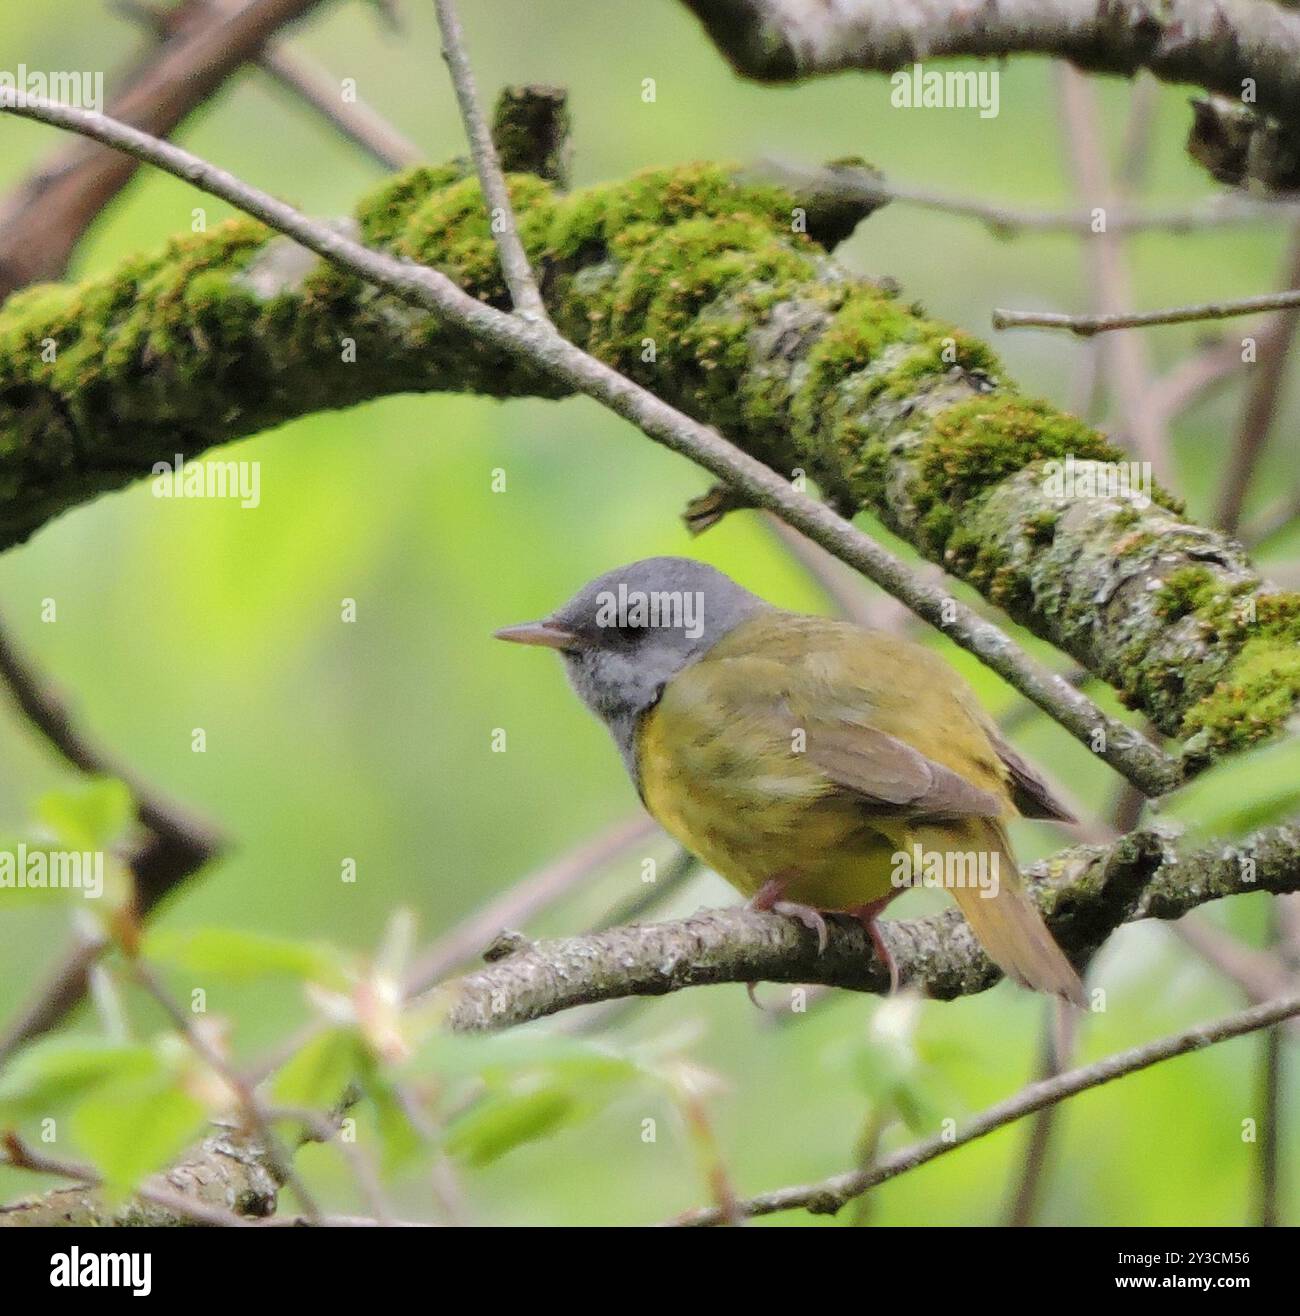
(536, 1083)
(501, 1058)
(320, 1071)
(237, 955)
(131, 1128)
(13, 871)
(918, 1105)
(56, 1070)
(89, 817)
(505, 1120)
(400, 1139)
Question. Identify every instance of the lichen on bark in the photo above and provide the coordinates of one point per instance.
(712, 292)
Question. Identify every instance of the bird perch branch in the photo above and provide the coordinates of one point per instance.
(1084, 893)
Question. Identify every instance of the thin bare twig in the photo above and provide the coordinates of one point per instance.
(359, 122)
(827, 1196)
(1124, 359)
(842, 587)
(1087, 325)
(1273, 521)
(1262, 398)
(1197, 376)
(16, 1153)
(249, 1105)
(1057, 1040)
(1268, 1178)
(537, 342)
(854, 183)
(514, 262)
(298, 74)
(677, 872)
(1259, 974)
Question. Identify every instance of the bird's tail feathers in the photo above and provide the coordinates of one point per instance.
(1008, 923)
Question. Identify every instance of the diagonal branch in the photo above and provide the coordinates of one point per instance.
(306, 80)
(519, 275)
(826, 1197)
(174, 848)
(566, 366)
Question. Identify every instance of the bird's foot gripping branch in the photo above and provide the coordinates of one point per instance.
(717, 295)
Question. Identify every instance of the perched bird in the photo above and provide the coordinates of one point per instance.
(814, 764)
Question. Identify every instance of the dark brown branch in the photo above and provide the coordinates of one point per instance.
(49, 213)
(175, 845)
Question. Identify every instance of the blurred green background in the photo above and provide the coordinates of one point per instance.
(373, 740)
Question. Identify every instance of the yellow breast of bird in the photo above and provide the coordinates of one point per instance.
(721, 768)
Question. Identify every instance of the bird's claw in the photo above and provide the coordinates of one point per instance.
(808, 916)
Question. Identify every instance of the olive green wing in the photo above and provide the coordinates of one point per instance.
(880, 679)
(889, 774)
(801, 687)
(1029, 792)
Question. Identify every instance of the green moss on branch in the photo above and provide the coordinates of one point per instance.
(707, 290)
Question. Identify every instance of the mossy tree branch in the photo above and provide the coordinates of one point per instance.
(704, 290)
(545, 352)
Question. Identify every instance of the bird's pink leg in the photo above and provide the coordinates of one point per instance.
(867, 915)
(769, 897)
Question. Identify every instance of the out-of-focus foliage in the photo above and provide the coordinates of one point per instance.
(329, 741)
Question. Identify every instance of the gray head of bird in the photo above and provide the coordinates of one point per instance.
(625, 635)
